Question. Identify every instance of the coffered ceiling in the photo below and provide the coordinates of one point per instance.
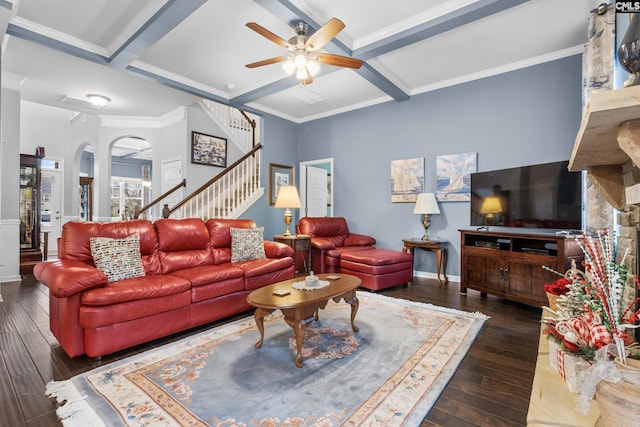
(150, 57)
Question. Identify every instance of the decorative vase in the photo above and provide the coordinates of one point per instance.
(629, 50)
(619, 404)
(630, 371)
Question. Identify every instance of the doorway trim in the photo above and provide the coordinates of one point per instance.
(303, 183)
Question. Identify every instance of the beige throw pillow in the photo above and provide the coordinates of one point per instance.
(119, 259)
(247, 244)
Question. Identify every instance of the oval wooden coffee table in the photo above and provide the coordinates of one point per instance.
(300, 307)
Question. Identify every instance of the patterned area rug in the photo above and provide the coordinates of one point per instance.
(388, 374)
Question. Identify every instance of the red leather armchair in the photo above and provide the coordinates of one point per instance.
(330, 237)
(336, 250)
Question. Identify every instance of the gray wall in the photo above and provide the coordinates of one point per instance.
(279, 146)
(523, 117)
(86, 164)
(128, 168)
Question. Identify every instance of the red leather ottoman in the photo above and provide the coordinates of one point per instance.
(378, 268)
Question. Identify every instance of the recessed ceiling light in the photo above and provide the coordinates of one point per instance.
(98, 100)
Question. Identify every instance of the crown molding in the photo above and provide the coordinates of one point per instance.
(46, 35)
(165, 120)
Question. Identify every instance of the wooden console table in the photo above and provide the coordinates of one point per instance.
(437, 246)
(551, 403)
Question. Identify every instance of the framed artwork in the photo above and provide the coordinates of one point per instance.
(453, 176)
(279, 175)
(407, 179)
(208, 150)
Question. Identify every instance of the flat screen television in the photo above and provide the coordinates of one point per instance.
(545, 196)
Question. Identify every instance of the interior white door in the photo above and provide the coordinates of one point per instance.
(51, 208)
(316, 192)
(170, 176)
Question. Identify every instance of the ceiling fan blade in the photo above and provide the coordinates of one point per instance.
(268, 34)
(337, 60)
(266, 62)
(324, 34)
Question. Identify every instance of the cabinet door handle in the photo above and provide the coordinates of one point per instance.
(505, 274)
(501, 273)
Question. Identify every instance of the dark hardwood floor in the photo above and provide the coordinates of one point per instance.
(490, 388)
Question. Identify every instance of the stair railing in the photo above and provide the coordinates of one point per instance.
(238, 125)
(224, 193)
(142, 211)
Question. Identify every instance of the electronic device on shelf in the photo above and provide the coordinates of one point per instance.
(491, 245)
(544, 196)
(536, 251)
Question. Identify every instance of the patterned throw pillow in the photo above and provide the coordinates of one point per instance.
(247, 244)
(119, 259)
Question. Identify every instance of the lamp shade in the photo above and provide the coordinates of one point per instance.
(288, 197)
(426, 204)
(491, 205)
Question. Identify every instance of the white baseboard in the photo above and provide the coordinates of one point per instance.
(5, 279)
(430, 275)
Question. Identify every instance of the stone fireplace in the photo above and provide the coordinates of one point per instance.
(629, 222)
(608, 148)
(608, 141)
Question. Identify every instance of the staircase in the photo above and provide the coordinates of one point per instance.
(239, 127)
(228, 195)
(232, 192)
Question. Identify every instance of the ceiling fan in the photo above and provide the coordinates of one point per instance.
(304, 50)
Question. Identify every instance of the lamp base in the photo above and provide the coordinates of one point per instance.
(425, 223)
(287, 220)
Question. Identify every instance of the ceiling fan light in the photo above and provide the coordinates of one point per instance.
(302, 74)
(313, 67)
(289, 66)
(300, 61)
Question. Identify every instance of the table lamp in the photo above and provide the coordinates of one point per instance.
(491, 205)
(426, 205)
(287, 198)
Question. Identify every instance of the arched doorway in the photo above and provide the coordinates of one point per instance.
(131, 173)
(85, 184)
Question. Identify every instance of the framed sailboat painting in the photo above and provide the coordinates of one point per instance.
(453, 176)
(407, 179)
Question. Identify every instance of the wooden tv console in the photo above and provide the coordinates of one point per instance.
(509, 264)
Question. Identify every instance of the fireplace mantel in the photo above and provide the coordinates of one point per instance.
(609, 136)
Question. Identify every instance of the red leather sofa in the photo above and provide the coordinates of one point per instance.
(334, 249)
(189, 280)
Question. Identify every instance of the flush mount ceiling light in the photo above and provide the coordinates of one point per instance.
(304, 57)
(98, 100)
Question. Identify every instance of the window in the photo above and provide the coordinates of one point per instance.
(126, 197)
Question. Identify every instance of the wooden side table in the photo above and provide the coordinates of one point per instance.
(437, 246)
(301, 245)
